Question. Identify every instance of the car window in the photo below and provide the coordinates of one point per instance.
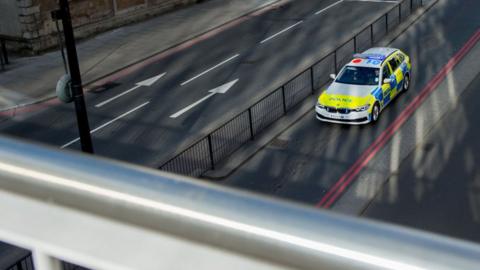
(359, 75)
(394, 64)
(386, 72)
(400, 57)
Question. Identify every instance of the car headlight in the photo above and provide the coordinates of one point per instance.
(362, 108)
(320, 105)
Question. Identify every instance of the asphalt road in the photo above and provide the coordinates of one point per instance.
(305, 161)
(439, 189)
(148, 124)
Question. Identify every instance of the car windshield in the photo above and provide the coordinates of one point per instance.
(359, 75)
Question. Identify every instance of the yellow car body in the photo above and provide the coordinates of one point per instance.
(365, 86)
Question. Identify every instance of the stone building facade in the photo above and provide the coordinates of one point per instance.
(30, 20)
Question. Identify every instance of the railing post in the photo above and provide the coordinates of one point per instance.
(400, 12)
(371, 35)
(210, 149)
(4, 52)
(250, 120)
(43, 261)
(312, 79)
(386, 23)
(411, 6)
(284, 101)
(355, 44)
(335, 61)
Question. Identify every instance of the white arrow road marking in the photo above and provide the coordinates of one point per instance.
(151, 81)
(210, 69)
(147, 82)
(332, 5)
(219, 90)
(106, 124)
(281, 32)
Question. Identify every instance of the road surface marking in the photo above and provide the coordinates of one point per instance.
(107, 123)
(210, 69)
(350, 175)
(332, 5)
(375, 1)
(281, 32)
(148, 82)
(185, 45)
(219, 90)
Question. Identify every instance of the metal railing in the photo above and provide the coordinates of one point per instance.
(27, 263)
(100, 214)
(205, 153)
(4, 59)
(3, 54)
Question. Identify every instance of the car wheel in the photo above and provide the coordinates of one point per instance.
(375, 113)
(406, 83)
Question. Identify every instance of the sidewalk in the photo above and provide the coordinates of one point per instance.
(32, 79)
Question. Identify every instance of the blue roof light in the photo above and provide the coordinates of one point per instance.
(371, 56)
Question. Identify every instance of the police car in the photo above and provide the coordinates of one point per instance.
(365, 86)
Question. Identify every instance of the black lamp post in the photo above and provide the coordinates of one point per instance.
(63, 14)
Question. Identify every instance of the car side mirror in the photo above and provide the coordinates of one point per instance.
(385, 81)
(333, 76)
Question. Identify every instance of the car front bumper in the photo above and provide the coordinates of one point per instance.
(351, 118)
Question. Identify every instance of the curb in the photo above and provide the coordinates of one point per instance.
(86, 85)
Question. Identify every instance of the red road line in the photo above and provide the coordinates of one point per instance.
(346, 179)
(29, 108)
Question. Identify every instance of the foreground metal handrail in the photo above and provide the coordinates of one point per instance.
(108, 215)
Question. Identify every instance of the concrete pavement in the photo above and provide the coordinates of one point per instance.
(31, 79)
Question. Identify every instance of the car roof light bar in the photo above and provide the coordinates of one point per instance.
(371, 56)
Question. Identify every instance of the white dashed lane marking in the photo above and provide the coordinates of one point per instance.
(107, 123)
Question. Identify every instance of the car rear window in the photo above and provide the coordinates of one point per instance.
(358, 75)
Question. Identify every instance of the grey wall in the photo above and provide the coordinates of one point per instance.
(9, 23)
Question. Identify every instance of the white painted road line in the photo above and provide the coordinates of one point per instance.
(148, 82)
(376, 1)
(219, 90)
(117, 96)
(332, 5)
(210, 69)
(281, 32)
(107, 123)
(340, 1)
(186, 109)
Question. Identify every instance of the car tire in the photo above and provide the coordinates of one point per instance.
(406, 83)
(375, 113)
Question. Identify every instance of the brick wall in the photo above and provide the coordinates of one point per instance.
(88, 16)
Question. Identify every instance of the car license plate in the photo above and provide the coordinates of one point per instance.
(336, 116)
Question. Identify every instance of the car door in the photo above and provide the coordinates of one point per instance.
(396, 76)
(386, 87)
(403, 68)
